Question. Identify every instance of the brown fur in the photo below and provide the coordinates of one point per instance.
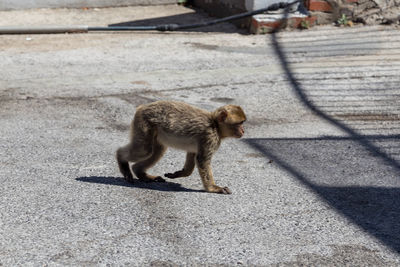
(168, 123)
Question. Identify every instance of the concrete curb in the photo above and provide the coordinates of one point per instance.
(29, 4)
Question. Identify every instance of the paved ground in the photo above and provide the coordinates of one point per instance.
(315, 181)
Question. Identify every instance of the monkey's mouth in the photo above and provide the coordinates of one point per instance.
(239, 135)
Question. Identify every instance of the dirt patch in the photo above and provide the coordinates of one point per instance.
(203, 46)
(12, 102)
(222, 99)
(6, 95)
(140, 83)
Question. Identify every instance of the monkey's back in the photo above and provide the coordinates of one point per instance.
(179, 118)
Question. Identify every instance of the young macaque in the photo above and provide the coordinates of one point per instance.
(163, 124)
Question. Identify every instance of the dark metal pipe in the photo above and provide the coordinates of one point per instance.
(122, 28)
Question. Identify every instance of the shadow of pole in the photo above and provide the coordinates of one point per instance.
(376, 209)
(300, 92)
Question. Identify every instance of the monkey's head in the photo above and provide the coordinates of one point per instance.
(230, 119)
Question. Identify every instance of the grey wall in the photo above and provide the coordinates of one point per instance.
(25, 4)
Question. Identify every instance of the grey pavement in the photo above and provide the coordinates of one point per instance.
(315, 181)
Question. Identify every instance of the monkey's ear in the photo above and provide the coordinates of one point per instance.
(223, 114)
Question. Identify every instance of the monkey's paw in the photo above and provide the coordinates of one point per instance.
(219, 190)
(225, 191)
(159, 179)
(129, 178)
(174, 175)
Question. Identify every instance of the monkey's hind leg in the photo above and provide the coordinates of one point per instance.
(136, 151)
(139, 148)
(133, 153)
(139, 168)
(122, 156)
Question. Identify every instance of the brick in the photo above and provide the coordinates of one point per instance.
(318, 5)
(260, 26)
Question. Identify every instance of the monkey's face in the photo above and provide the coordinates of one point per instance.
(237, 130)
(231, 119)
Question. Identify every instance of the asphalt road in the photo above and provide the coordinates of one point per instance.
(315, 180)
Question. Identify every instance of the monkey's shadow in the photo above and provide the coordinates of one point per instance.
(159, 186)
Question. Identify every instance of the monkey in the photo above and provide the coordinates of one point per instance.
(163, 124)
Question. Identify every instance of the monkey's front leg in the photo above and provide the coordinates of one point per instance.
(204, 166)
(187, 169)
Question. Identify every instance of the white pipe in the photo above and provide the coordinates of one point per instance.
(42, 29)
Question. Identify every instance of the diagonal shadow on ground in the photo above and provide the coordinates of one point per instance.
(354, 174)
(347, 176)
